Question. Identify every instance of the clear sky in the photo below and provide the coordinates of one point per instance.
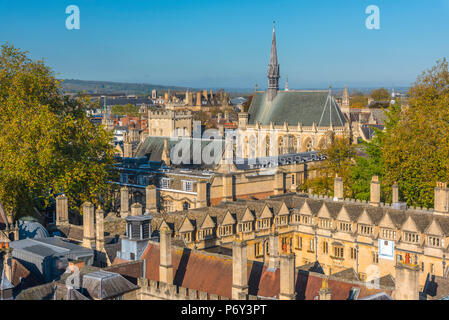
(226, 43)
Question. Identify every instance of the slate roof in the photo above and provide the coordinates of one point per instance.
(436, 287)
(153, 147)
(293, 107)
(104, 285)
(51, 291)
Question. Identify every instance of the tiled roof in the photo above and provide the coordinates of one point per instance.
(210, 273)
(436, 288)
(104, 285)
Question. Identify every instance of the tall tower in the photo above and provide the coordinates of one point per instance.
(273, 70)
(345, 101)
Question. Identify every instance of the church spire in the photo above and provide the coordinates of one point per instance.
(273, 69)
(286, 84)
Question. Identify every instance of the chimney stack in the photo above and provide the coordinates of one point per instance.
(62, 210)
(165, 265)
(273, 254)
(151, 198)
(202, 193)
(338, 189)
(375, 192)
(99, 229)
(279, 187)
(325, 292)
(441, 205)
(88, 225)
(287, 274)
(124, 202)
(395, 193)
(7, 264)
(239, 270)
(136, 209)
(406, 282)
(228, 189)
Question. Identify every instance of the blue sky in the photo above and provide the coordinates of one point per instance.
(226, 43)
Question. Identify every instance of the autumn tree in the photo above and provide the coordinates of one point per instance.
(339, 153)
(381, 94)
(416, 149)
(48, 144)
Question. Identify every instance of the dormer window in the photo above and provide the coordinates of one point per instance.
(264, 224)
(411, 237)
(187, 185)
(187, 236)
(282, 220)
(206, 234)
(227, 230)
(165, 183)
(345, 226)
(365, 229)
(306, 219)
(436, 242)
(325, 223)
(245, 226)
(388, 234)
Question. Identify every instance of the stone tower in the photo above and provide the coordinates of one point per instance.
(345, 101)
(273, 70)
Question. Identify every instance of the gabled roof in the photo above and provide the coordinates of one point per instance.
(248, 216)
(104, 284)
(324, 212)
(208, 222)
(365, 218)
(186, 226)
(293, 107)
(387, 222)
(228, 219)
(410, 225)
(266, 213)
(434, 229)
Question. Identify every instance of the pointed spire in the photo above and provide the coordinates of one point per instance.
(273, 70)
(286, 84)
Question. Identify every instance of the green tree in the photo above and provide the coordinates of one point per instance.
(47, 142)
(381, 94)
(339, 154)
(416, 148)
(127, 109)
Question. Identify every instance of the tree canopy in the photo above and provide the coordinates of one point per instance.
(381, 94)
(48, 144)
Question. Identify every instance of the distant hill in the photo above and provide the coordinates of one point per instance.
(107, 87)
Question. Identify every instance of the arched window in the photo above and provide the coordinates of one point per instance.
(280, 145)
(185, 205)
(267, 147)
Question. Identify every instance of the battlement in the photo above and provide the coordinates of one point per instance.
(151, 289)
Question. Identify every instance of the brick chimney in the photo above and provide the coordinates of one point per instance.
(441, 205)
(338, 189)
(375, 191)
(88, 225)
(239, 270)
(287, 275)
(165, 265)
(62, 210)
(406, 282)
(99, 228)
(124, 202)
